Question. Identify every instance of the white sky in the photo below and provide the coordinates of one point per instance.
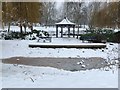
(59, 4)
(80, 0)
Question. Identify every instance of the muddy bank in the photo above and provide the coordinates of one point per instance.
(71, 64)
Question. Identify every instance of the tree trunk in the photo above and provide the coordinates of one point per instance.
(3, 25)
(46, 23)
(21, 30)
(25, 29)
(8, 27)
(25, 26)
(31, 27)
(119, 14)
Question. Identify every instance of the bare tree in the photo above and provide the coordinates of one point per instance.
(48, 12)
(72, 10)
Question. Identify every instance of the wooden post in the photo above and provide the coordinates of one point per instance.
(78, 32)
(56, 31)
(61, 31)
(73, 31)
(68, 31)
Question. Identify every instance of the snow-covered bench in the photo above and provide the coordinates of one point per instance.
(45, 38)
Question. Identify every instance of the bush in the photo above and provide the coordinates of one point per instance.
(93, 37)
(15, 35)
(100, 35)
(45, 33)
(38, 32)
(117, 37)
(8, 37)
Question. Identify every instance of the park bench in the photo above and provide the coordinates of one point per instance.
(45, 38)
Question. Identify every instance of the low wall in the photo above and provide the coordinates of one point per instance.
(67, 46)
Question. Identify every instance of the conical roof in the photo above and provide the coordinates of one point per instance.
(65, 21)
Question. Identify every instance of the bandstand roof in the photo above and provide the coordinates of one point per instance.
(65, 21)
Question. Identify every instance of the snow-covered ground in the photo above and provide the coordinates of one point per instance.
(22, 76)
(51, 30)
(13, 48)
(46, 77)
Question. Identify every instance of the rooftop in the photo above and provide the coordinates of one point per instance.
(65, 21)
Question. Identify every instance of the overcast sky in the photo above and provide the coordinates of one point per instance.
(59, 4)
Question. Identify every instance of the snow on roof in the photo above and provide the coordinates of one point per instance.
(65, 21)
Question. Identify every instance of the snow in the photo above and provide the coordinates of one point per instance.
(116, 30)
(51, 30)
(65, 21)
(67, 41)
(16, 28)
(13, 48)
(85, 44)
(47, 77)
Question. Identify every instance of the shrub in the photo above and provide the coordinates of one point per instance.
(93, 37)
(117, 37)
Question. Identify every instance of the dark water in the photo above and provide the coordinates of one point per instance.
(70, 64)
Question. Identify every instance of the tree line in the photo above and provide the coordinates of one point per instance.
(23, 14)
(94, 14)
(108, 15)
